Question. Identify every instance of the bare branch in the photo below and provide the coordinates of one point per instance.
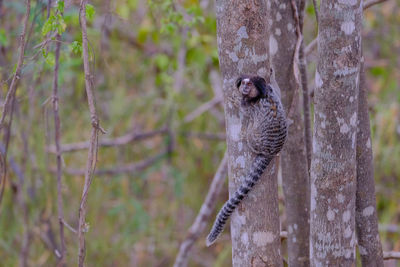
(370, 3)
(201, 109)
(311, 46)
(93, 145)
(205, 135)
(57, 137)
(118, 141)
(206, 210)
(391, 255)
(10, 98)
(69, 227)
(129, 168)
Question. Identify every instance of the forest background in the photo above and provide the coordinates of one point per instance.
(158, 96)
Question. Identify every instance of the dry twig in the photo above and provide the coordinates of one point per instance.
(128, 168)
(57, 137)
(93, 145)
(118, 141)
(10, 99)
(391, 255)
(205, 212)
(202, 108)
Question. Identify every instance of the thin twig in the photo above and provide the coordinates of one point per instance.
(118, 141)
(92, 154)
(202, 108)
(391, 255)
(205, 135)
(311, 46)
(367, 4)
(57, 137)
(296, 63)
(72, 229)
(206, 210)
(128, 168)
(10, 98)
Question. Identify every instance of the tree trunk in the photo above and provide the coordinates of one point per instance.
(242, 32)
(333, 167)
(369, 244)
(294, 158)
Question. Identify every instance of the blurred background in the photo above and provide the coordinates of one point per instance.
(158, 94)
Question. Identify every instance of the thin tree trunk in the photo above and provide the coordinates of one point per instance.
(369, 244)
(242, 32)
(333, 167)
(294, 157)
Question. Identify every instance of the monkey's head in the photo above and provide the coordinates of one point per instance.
(252, 88)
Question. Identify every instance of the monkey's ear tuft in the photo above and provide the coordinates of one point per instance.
(261, 85)
(238, 81)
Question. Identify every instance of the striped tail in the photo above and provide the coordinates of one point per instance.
(259, 165)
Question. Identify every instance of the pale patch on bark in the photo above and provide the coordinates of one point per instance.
(278, 16)
(240, 161)
(273, 45)
(245, 239)
(234, 130)
(318, 80)
(344, 128)
(348, 2)
(353, 119)
(345, 71)
(261, 239)
(346, 216)
(340, 198)
(348, 27)
(368, 211)
(347, 233)
(330, 215)
(368, 143)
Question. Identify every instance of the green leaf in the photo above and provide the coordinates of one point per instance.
(76, 47)
(49, 25)
(162, 61)
(3, 38)
(50, 59)
(61, 26)
(90, 12)
(60, 6)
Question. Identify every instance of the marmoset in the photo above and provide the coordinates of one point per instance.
(266, 134)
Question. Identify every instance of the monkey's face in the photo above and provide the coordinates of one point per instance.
(251, 88)
(248, 89)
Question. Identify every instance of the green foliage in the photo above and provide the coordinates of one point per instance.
(54, 23)
(76, 47)
(3, 38)
(90, 12)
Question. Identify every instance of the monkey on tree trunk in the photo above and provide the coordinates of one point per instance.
(266, 134)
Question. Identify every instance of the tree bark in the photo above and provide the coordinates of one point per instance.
(369, 244)
(242, 33)
(294, 157)
(333, 167)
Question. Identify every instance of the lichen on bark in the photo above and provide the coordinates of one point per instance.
(333, 167)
